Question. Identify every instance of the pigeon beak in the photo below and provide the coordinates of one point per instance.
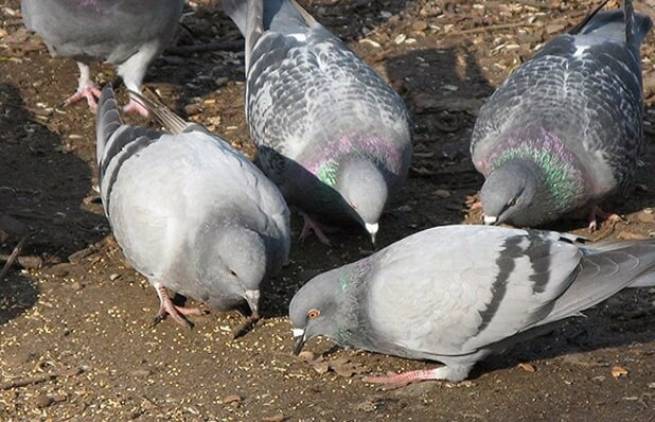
(490, 220)
(373, 230)
(298, 340)
(252, 297)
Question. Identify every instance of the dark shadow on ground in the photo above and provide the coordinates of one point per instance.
(43, 185)
(17, 295)
(444, 92)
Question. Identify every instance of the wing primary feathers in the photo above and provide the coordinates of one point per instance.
(629, 18)
(254, 27)
(165, 116)
(108, 120)
(576, 29)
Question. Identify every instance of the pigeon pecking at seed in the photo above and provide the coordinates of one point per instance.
(330, 132)
(191, 214)
(564, 131)
(126, 33)
(455, 294)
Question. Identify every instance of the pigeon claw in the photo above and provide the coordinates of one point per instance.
(596, 213)
(168, 308)
(90, 92)
(312, 226)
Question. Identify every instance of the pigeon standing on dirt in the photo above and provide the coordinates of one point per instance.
(126, 33)
(564, 131)
(455, 294)
(330, 132)
(191, 214)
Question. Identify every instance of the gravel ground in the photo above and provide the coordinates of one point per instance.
(76, 334)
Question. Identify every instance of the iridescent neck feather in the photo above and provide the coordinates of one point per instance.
(562, 176)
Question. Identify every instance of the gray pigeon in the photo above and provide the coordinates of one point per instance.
(191, 214)
(126, 33)
(455, 294)
(330, 132)
(564, 131)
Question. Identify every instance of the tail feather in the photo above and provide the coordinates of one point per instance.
(629, 19)
(108, 120)
(576, 29)
(165, 116)
(603, 272)
(237, 10)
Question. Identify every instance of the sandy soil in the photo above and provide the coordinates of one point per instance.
(76, 320)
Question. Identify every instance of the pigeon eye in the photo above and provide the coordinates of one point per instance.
(313, 313)
(233, 273)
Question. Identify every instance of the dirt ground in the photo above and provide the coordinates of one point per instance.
(76, 334)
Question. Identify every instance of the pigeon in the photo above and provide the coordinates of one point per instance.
(455, 294)
(330, 132)
(564, 132)
(190, 213)
(129, 34)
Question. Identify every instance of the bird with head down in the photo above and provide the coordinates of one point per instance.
(190, 213)
(455, 294)
(330, 132)
(129, 34)
(564, 131)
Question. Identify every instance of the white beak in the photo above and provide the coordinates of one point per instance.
(488, 219)
(373, 230)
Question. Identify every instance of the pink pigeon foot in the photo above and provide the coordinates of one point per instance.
(596, 213)
(167, 307)
(405, 378)
(312, 226)
(89, 92)
(136, 108)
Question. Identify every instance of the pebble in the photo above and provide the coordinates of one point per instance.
(233, 399)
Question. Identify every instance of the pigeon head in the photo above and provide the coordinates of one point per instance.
(510, 191)
(362, 185)
(326, 306)
(236, 260)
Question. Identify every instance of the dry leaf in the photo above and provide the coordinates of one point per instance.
(527, 367)
(619, 371)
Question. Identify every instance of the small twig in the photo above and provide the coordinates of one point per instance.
(500, 27)
(490, 28)
(188, 50)
(12, 258)
(38, 379)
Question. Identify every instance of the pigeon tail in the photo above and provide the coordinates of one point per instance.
(633, 26)
(164, 116)
(237, 10)
(254, 17)
(576, 29)
(108, 120)
(603, 271)
(637, 25)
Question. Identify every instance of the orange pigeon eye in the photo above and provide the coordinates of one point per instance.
(313, 313)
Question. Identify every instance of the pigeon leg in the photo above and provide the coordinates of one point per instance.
(133, 71)
(85, 90)
(596, 213)
(312, 226)
(451, 373)
(167, 307)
